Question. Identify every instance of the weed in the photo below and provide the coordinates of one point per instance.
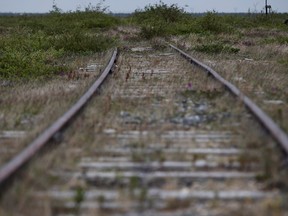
(101, 200)
(283, 61)
(135, 182)
(79, 196)
(143, 194)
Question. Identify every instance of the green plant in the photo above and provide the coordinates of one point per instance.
(160, 11)
(29, 56)
(78, 199)
(283, 61)
(213, 23)
(33, 46)
(160, 19)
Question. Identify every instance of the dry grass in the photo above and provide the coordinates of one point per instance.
(32, 106)
(259, 69)
(86, 136)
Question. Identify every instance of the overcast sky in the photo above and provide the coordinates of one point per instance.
(131, 5)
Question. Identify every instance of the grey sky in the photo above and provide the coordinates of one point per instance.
(131, 5)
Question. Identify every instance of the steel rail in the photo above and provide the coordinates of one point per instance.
(24, 156)
(276, 132)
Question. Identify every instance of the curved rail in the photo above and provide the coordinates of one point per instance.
(279, 135)
(24, 156)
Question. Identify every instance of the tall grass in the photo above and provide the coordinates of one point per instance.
(33, 46)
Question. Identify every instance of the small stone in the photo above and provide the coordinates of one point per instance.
(201, 108)
(133, 120)
(141, 49)
(248, 59)
(200, 163)
(12, 134)
(177, 120)
(192, 120)
(92, 67)
(239, 79)
(130, 119)
(109, 131)
(124, 114)
(274, 102)
(5, 83)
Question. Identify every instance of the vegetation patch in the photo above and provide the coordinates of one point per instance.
(213, 23)
(24, 61)
(279, 39)
(161, 20)
(34, 46)
(283, 61)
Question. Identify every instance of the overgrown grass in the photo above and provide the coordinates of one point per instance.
(26, 55)
(34, 46)
(278, 39)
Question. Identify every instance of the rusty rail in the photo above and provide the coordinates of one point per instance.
(24, 156)
(276, 132)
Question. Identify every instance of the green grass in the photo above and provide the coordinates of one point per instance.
(33, 47)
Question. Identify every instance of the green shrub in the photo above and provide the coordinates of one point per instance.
(213, 23)
(160, 19)
(159, 12)
(54, 24)
(33, 46)
(20, 64)
(26, 55)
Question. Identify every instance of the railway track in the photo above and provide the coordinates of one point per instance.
(162, 138)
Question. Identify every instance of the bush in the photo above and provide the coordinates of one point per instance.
(160, 19)
(76, 41)
(29, 56)
(213, 23)
(159, 12)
